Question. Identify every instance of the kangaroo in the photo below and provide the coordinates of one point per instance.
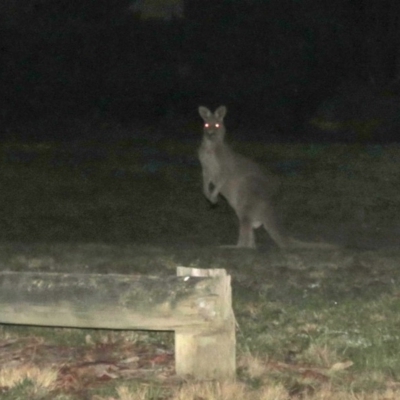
(246, 187)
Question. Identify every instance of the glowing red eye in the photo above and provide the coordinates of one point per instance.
(206, 125)
(217, 125)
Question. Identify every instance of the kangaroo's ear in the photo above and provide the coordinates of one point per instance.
(205, 113)
(220, 112)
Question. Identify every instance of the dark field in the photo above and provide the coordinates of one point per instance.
(317, 324)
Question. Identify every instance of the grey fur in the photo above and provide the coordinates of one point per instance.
(247, 188)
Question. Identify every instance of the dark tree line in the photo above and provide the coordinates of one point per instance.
(266, 58)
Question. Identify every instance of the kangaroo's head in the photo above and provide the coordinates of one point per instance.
(214, 128)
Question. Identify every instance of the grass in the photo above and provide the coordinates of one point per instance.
(311, 324)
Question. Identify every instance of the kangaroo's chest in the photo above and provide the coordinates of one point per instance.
(210, 162)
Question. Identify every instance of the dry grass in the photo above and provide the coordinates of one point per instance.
(40, 378)
(239, 391)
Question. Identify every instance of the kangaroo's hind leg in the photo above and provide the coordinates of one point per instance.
(246, 234)
(271, 225)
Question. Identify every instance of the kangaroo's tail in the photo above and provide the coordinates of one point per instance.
(292, 243)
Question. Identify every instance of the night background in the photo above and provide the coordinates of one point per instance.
(100, 174)
(286, 69)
